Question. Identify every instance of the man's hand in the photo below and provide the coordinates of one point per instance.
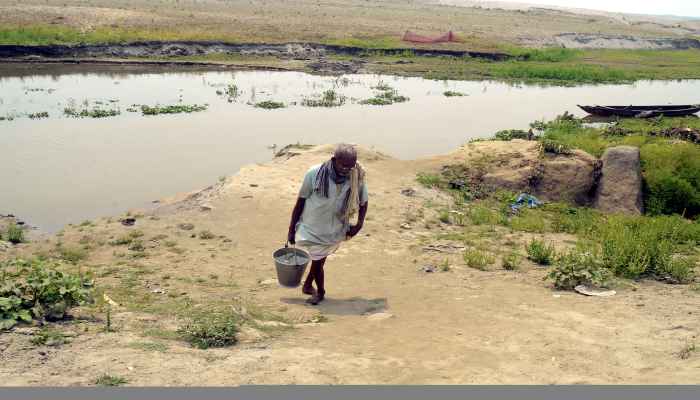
(290, 236)
(354, 230)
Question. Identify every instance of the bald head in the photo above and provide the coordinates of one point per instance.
(345, 152)
(344, 159)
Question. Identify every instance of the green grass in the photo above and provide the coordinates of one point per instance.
(670, 169)
(148, 346)
(478, 259)
(270, 105)
(511, 261)
(540, 253)
(329, 98)
(211, 329)
(582, 73)
(49, 337)
(110, 380)
(171, 109)
(14, 234)
(547, 55)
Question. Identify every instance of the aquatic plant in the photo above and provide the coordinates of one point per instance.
(93, 113)
(329, 99)
(451, 93)
(269, 105)
(38, 115)
(172, 109)
(231, 92)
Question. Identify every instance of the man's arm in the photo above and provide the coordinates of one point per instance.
(296, 214)
(355, 229)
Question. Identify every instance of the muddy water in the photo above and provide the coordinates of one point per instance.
(64, 170)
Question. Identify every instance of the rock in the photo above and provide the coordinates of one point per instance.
(128, 221)
(205, 207)
(186, 226)
(620, 186)
(380, 316)
(273, 323)
(406, 225)
(428, 268)
(410, 192)
(268, 282)
(568, 178)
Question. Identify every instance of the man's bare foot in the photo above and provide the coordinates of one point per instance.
(317, 298)
(309, 290)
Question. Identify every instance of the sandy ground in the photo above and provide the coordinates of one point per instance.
(384, 321)
(305, 20)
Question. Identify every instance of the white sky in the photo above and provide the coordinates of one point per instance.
(690, 8)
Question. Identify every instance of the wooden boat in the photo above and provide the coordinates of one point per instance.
(642, 111)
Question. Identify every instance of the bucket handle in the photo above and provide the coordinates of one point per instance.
(294, 246)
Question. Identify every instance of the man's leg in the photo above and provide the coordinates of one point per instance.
(308, 283)
(318, 276)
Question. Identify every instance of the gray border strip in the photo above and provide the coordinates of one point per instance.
(364, 392)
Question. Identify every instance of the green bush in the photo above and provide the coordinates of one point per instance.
(478, 259)
(510, 134)
(672, 178)
(540, 253)
(635, 247)
(511, 262)
(37, 289)
(211, 330)
(575, 268)
(14, 234)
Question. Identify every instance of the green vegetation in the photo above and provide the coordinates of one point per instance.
(86, 112)
(72, 255)
(510, 134)
(478, 259)
(329, 98)
(451, 93)
(270, 105)
(511, 261)
(670, 168)
(49, 337)
(211, 329)
(148, 346)
(576, 267)
(38, 289)
(38, 115)
(14, 234)
(171, 109)
(547, 55)
(109, 380)
(386, 96)
(231, 92)
(540, 253)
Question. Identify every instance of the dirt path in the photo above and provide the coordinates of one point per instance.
(384, 321)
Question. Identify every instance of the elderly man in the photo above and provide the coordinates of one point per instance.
(330, 195)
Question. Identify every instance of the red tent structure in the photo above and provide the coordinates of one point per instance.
(415, 38)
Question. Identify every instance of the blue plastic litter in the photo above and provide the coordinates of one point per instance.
(523, 200)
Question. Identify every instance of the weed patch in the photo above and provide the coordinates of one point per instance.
(540, 253)
(215, 329)
(478, 259)
(270, 105)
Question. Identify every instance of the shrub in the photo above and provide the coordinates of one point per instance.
(451, 93)
(14, 234)
(540, 253)
(72, 254)
(480, 215)
(269, 105)
(510, 134)
(575, 268)
(429, 180)
(37, 289)
(211, 330)
(511, 261)
(49, 337)
(329, 99)
(108, 380)
(478, 259)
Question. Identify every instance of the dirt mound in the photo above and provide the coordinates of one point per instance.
(520, 166)
(620, 188)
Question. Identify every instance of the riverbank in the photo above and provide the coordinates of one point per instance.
(420, 296)
(517, 65)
